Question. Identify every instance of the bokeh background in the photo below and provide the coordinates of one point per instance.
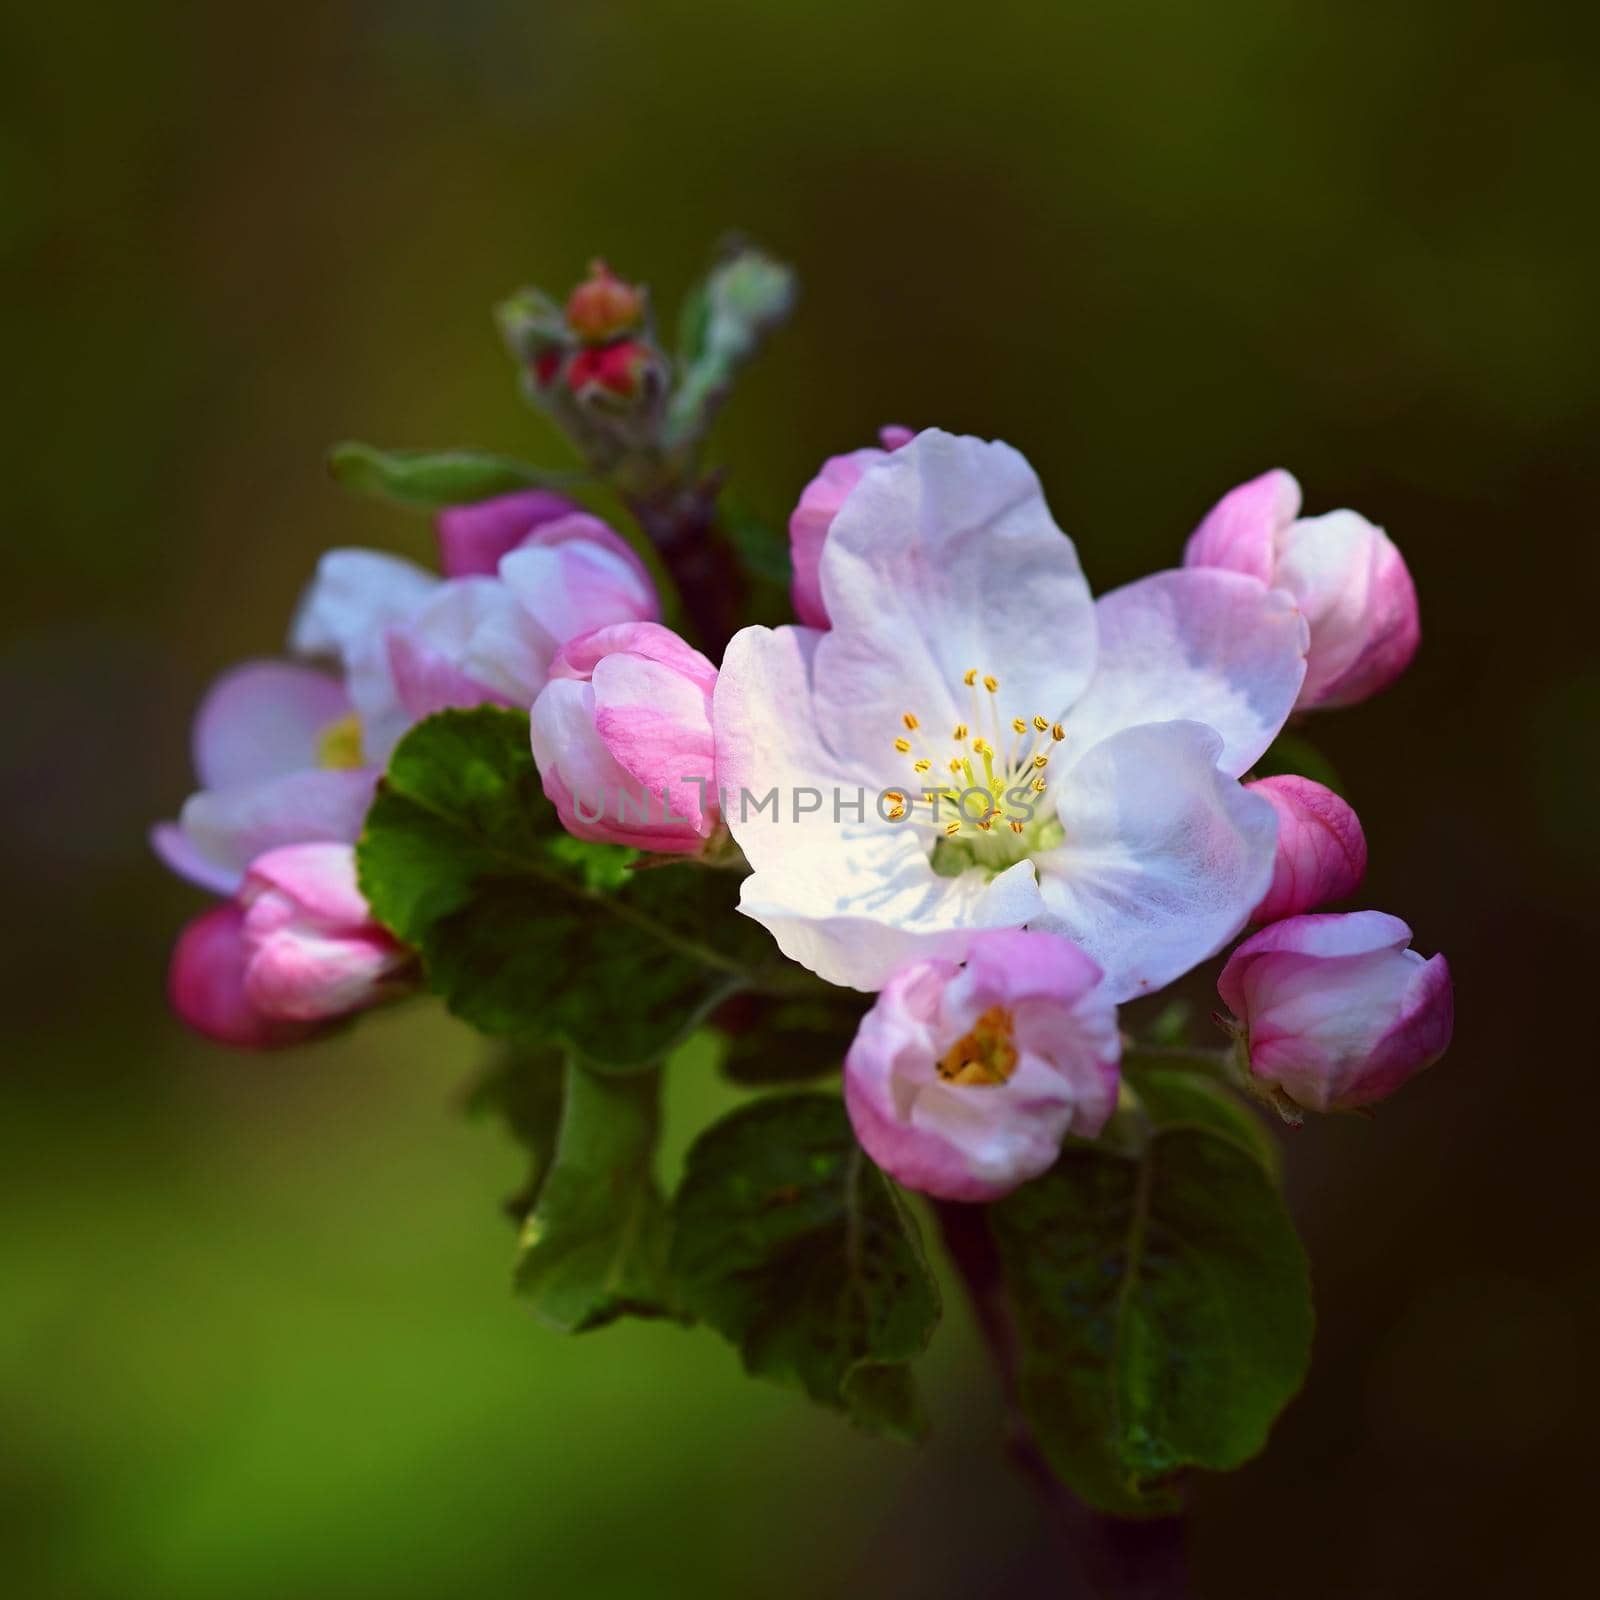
(256, 1335)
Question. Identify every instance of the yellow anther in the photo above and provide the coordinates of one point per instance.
(991, 684)
(1041, 761)
(986, 825)
(921, 766)
(959, 732)
(896, 813)
(339, 744)
(1016, 827)
(910, 721)
(970, 676)
(1058, 733)
(981, 747)
(1039, 785)
(903, 746)
(955, 764)
(951, 829)
(1040, 724)
(1018, 725)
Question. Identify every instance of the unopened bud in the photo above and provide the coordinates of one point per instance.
(624, 371)
(602, 306)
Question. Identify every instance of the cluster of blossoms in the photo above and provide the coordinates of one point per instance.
(1059, 815)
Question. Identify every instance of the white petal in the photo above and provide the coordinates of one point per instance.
(262, 719)
(1196, 644)
(354, 596)
(945, 559)
(1164, 855)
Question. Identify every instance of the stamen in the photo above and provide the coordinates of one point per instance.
(951, 829)
(921, 766)
(1058, 733)
(1040, 724)
(903, 746)
(1018, 725)
(1016, 827)
(959, 733)
(991, 684)
(1039, 785)
(1041, 761)
(910, 721)
(970, 676)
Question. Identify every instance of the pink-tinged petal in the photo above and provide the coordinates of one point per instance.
(353, 597)
(943, 561)
(819, 504)
(319, 878)
(894, 436)
(263, 719)
(471, 644)
(473, 538)
(650, 640)
(229, 828)
(180, 854)
(1027, 1001)
(1241, 531)
(1163, 857)
(301, 976)
(575, 575)
(206, 985)
(1322, 851)
(1336, 1010)
(1197, 645)
(657, 726)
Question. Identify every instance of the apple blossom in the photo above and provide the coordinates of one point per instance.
(295, 949)
(1322, 852)
(1035, 758)
(1338, 1011)
(1348, 577)
(277, 750)
(819, 504)
(964, 1079)
(622, 737)
(473, 538)
(412, 643)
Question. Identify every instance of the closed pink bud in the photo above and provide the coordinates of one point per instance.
(473, 538)
(314, 952)
(603, 306)
(820, 502)
(1338, 1011)
(206, 986)
(1322, 852)
(622, 737)
(1350, 581)
(964, 1078)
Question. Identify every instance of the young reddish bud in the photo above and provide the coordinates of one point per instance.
(1322, 852)
(602, 306)
(547, 366)
(623, 370)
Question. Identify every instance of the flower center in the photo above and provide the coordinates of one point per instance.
(339, 744)
(982, 792)
(984, 1058)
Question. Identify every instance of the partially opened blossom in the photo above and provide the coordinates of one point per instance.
(1026, 756)
(623, 741)
(412, 643)
(277, 750)
(297, 948)
(1348, 577)
(819, 504)
(964, 1079)
(1322, 851)
(1338, 1011)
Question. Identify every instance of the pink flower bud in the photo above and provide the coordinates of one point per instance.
(1322, 852)
(473, 538)
(603, 306)
(622, 738)
(820, 502)
(964, 1079)
(1338, 1011)
(296, 950)
(1349, 579)
(624, 371)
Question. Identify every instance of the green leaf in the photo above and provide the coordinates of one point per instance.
(523, 1087)
(1171, 1095)
(529, 933)
(792, 1244)
(1161, 1301)
(595, 1246)
(743, 298)
(789, 1041)
(429, 479)
(1295, 756)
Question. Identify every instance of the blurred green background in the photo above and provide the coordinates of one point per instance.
(256, 1337)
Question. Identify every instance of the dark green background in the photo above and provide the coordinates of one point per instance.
(255, 1331)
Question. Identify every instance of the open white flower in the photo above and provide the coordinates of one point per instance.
(1026, 756)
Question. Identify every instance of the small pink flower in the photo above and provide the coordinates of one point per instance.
(296, 950)
(964, 1079)
(820, 502)
(473, 538)
(1322, 852)
(1346, 575)
(1338, 1011)
(622, 738)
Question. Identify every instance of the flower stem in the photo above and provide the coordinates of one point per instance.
(1114, 1558)
(681, 524)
